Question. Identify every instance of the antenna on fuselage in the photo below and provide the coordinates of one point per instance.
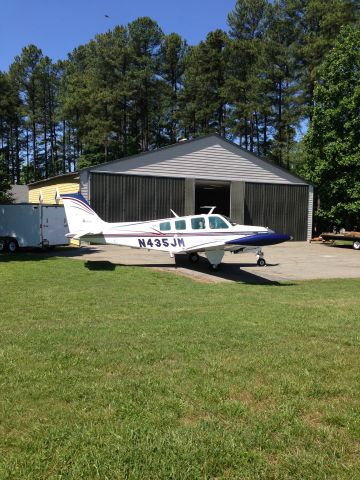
(175, 214)
(211, 209)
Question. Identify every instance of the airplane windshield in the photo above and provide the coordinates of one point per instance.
(230, 221)
(216, 222)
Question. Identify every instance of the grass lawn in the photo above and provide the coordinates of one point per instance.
(137, 374)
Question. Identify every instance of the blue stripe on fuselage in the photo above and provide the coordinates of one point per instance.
(260, 239)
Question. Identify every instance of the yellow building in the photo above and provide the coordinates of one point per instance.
(48, 191)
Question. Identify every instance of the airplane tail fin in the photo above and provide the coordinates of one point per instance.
(80, 216)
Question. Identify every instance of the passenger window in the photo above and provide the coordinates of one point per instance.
(165, 226)
(198, 223)
(180, 224)
(217, 222)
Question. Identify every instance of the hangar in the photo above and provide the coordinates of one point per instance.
(206, 171)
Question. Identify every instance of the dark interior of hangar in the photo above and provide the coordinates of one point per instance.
(214, 195)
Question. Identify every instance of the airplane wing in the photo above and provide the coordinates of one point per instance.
(205, 246)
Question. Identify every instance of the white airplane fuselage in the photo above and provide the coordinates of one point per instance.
(210, 233)
(148, 235)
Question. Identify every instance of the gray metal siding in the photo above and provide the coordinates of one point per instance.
(310, 212)
(84, 184)
(209, 158)
(237, 194)
(283, 208)
(122, 198)
(189, 196)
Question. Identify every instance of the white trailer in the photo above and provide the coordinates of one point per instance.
(32, 225)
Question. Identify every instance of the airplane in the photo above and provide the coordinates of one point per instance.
(210, 233)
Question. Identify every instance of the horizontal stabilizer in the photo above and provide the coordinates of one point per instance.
(79, 235)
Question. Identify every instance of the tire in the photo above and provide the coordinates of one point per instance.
(193, 258)
(261, 262)
(12, 245)
(356, 245)
(214, 268)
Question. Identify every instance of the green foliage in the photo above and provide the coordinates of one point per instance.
(135, 89)
(5, 184)
(202, 99)
(333, 140)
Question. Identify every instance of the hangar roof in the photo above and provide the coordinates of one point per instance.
(210, 157)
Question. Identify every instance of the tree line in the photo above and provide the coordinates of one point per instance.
(135, 89)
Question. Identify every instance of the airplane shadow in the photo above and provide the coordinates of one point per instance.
(228, 271)
(100, 265)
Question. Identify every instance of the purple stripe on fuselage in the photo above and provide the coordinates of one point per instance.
(178, 234)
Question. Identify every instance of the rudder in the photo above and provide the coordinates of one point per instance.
(79, 214)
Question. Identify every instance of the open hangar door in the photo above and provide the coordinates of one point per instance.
(214, 194)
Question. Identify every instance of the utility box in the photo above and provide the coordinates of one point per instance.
(32, 225)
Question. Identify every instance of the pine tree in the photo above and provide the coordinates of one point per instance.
(25, 73)
(246, 85)
(145, 37)
(172, 66)
(5, 183)
(202, 100)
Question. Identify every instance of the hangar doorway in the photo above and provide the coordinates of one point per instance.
(208, 193)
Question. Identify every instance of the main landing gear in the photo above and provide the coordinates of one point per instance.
(193, 257)
(214, 257)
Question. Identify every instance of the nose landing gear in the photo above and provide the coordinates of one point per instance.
(261, 262)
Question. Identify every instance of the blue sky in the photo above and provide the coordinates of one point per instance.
(57, 27)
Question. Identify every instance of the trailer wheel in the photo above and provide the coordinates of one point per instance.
(2, 245)
(12, 245)
(356, 245)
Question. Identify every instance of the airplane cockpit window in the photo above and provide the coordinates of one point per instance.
(165, 226)
(180, 224)
(217, 222)
(230, 221)
(198, 223)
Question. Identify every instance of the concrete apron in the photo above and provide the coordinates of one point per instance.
(285, 262)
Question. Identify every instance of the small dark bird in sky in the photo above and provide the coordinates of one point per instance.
(107, 16)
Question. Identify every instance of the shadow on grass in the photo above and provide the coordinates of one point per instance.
(40, 254)
(100, 265)
(228, 271)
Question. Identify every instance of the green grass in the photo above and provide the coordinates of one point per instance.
(137, 374)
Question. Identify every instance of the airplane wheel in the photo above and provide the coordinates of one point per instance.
(214, 268)
(193, 258)
(356, 245)
(261, 262)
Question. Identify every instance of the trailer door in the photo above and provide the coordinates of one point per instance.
(54, 225)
